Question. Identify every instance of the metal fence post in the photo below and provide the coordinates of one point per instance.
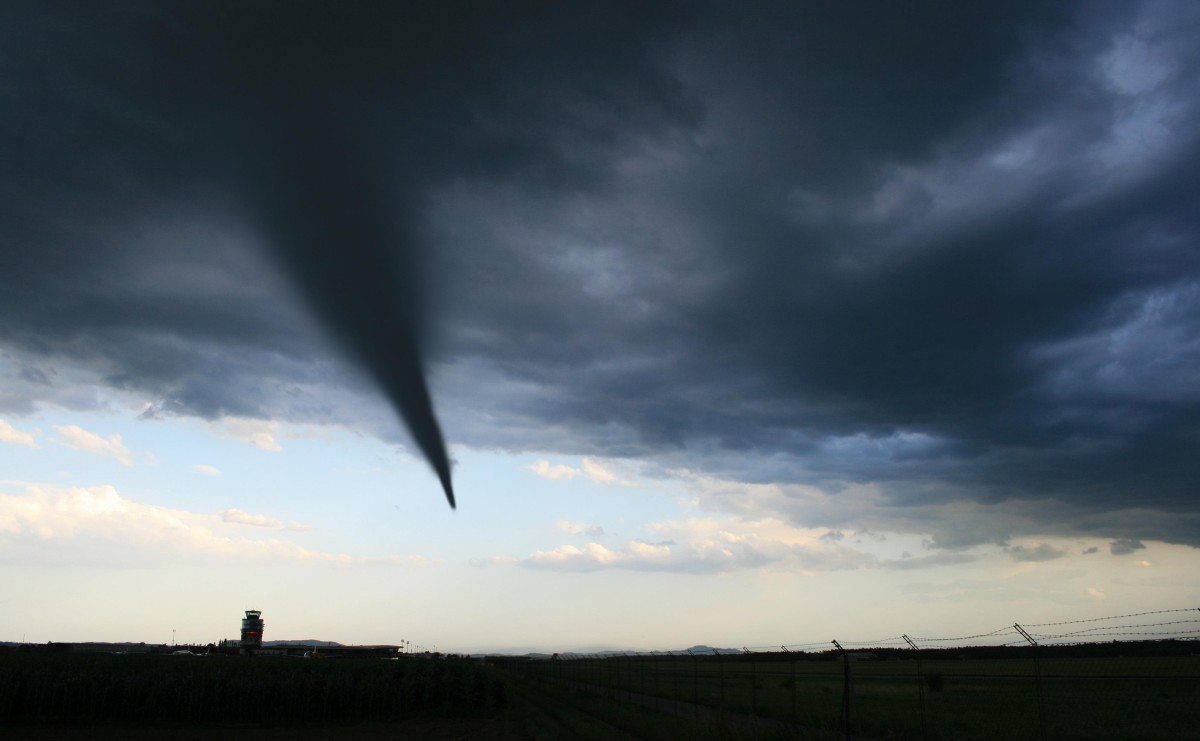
(1037, 680)
(920, 685)
(845, 691)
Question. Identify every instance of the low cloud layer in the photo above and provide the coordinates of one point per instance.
(708, 545)
(52, 519)
(941, 262)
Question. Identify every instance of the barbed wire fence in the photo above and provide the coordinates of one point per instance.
(1118, 677)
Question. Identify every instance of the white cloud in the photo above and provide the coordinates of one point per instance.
(545, 470)
(597, 472)
(206, 469)
(99, 513)
(245, 518)
(10, 435)
(1096, 594)
(707, 545)
(590, 467)
(589, 558)
(74, 436)
(259, 433)
(579, 528)
(715, 545)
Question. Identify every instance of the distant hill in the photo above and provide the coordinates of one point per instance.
(605, 653)
(709, 650)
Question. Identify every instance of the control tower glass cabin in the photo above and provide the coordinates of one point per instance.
(252, 631)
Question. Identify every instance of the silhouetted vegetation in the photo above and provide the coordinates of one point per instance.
(1142, 692)
(37, 686)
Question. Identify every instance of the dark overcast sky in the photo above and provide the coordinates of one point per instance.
(946, 249)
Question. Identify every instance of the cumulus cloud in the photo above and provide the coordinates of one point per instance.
(265, 521)
(206, 469)
(63, 515)
(593, 469)
(558, 472)
(9, 434)
(579, 528)
(259, 433)
(74, 436)
(598, 472)
(571, 558)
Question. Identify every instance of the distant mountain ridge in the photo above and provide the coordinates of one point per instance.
(607, 652)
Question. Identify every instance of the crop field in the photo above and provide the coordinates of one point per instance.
(1004, 698)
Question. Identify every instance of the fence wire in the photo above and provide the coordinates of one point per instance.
(1118, 677)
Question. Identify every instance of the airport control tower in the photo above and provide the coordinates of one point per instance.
(252, 632)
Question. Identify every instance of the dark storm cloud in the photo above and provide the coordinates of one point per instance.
(1038, 553)
(315, 124)
(1125, 546)
(947, 251)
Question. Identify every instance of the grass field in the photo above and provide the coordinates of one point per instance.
(63, 697)
(47, 695)
(1073, 698)
(102, 688)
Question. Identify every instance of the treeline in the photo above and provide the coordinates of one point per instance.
(36, 686)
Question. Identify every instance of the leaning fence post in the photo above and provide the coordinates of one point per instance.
(845, 690)
(1037, 681)
(920, 685)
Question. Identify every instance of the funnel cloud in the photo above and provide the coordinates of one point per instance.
(336, 225)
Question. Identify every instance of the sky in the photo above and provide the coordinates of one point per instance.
(518, 325)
